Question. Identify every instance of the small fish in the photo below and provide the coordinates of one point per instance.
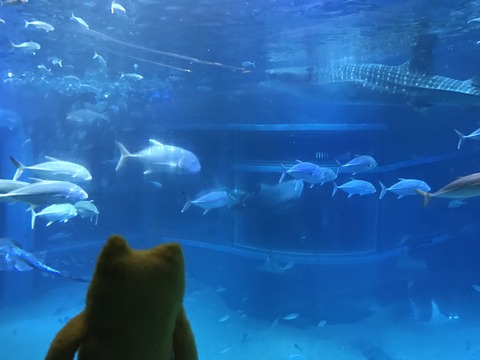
(248, 64)
(404, 187)
(40, 25)
(55, 61)
(116, 6)
(463, 188)
(476, 287)
(322, 323)
(360, 163)
(156, 184)
(80, 21)
(220, 289)
(224, 318)
(28, 46)
(456, 204)
(291, 316)
(55, 212)
(475, 135)
(354, 187)
(100, 58)
(131, 76)
(43, 67)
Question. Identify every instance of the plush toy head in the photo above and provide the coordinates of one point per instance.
(134, 308)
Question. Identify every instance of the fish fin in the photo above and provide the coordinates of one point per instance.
(49, 223)
(400, 196)
(155, 142)
(383, 191)
(20, 167)
(312, 185)
(26, 24)
(335, 188)
(426, 196)
(187, 203)
(96, 219)
(461, 138)
(284, 172)
(299, 161)
(205, 211)
(124, 154)
(350, 195)
(147, 172)
(51, 158)
(21, 265)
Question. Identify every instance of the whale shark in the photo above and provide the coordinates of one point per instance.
(376, 84)
(413, 83)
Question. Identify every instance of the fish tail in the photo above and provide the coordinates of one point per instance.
(284, 172)
(187, 204)
(20, 168)
(426, 196)
(124, 154)
(26, 24)
(335, 188)
(383, 191)
(461, 139)
(34, 216)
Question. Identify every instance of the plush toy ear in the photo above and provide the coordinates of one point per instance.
(68, 339)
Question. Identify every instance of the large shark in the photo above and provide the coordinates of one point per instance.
(414, 83)
(376, 84)
(13, 257)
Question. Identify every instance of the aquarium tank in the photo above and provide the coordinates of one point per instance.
(316, 160)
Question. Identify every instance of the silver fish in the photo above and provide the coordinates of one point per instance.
(211, 200)
(46, 192)
(131, 76)
(40, 25)
(85, 116)
(358, 164)
(309, 172)
(28, 46)
(79, 20)
(55, 212)
(162, 158)
(405, 187)
(54, 169)
(354, 187)
(87, 209)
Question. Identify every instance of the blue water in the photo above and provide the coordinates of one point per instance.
(282, 272)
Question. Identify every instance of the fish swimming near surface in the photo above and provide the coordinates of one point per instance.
(54, 169)
(55, 212)
(46, 192)
(162, 158)
(13, 257)
(475, 135)
(463, 188)
(405, 187)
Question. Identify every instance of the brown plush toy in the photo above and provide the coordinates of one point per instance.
(134, 308)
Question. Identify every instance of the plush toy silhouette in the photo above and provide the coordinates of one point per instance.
(134, 308)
